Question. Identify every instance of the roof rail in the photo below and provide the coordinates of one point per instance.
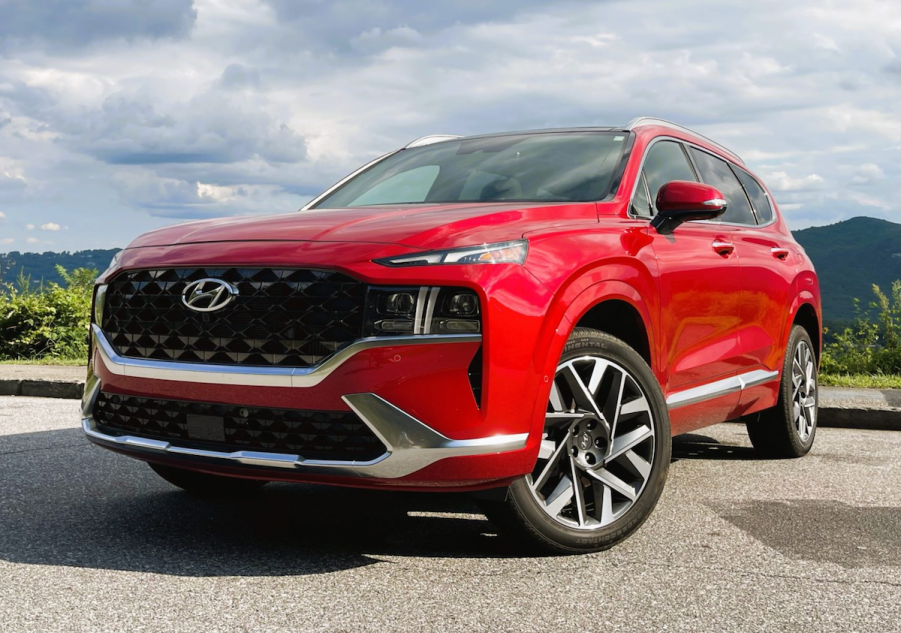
(432, 138)
(650, 120)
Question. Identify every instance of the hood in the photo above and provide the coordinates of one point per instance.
(414, 226)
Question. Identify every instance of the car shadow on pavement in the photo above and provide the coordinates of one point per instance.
(695, 446)
(66, 502)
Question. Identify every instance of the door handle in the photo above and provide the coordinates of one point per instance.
(723, 247)
(780, 253)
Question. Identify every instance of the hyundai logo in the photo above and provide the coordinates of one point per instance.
(208, 295)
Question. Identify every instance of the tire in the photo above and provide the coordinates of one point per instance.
(205, 484)
(619, 482)
(789, 429)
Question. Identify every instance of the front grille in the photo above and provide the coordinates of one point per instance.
(285, 317)
(329, 435)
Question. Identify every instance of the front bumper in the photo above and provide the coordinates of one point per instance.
(410, 444)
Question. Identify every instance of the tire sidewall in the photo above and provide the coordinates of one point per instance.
(798, 334)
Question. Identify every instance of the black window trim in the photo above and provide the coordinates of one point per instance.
(685, 145)
(766, 194)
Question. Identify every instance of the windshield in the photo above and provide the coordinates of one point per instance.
(546, 167)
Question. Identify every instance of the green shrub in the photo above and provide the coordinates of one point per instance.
(867, 347)
(52, 321)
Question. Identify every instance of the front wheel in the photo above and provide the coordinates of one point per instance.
(604, 455)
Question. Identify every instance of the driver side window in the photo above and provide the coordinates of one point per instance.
(666, 161)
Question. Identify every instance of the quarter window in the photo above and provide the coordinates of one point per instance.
(666, 161)
(641, 206)
(758, 196)
(717, 173)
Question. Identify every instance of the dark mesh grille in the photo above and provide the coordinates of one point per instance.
(283, 317)
(332, 435)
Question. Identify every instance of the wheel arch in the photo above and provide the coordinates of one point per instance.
(605, 306)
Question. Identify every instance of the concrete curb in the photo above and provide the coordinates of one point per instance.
(877, 409)
(42, 388)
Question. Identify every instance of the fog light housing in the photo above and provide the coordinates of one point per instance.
(462, 304)
(400, 303)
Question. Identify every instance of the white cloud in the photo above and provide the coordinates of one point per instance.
(218, 107)
(2, 215)
(30, 227)
(32, 240)
(867, 172)
(781, 181)
(7, 240)
(50, 226)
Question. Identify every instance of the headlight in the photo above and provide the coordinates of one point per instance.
(406, 310)
(500, 253)
(99, 303)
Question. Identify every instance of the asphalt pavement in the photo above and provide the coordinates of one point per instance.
(92, 541)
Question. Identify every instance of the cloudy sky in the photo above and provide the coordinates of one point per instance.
(117, 116)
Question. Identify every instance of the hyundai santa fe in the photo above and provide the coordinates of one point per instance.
(530, 316)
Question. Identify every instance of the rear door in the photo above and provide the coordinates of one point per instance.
(699, 286)
(769, 263)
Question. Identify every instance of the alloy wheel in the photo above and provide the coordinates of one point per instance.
(804, 391)
(598, 447)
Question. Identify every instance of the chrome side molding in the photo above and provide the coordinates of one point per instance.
(720, 388)
(411, 445)
(256, 376)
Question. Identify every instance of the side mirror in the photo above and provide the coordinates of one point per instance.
(682, 201)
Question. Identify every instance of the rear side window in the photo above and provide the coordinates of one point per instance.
(666, 161)
(717, 173)
(758, 196)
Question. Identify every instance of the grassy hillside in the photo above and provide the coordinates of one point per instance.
(42, 266)
(850, 257)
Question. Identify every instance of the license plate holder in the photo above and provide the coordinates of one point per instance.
(208, 428)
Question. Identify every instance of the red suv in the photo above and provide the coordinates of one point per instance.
(529, 315)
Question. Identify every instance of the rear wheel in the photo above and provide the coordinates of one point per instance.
(789, 428)
(604, 454)
(205, 484)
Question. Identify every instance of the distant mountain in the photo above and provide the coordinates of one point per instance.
(850, 257)
(42, 266)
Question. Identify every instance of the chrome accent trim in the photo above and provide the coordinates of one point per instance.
(422, 141)
(411, 445)
(417, 315)
(430, 310)
(649, 120)
(715, 202)
(720, 388)
(194, 293)
(256, 376)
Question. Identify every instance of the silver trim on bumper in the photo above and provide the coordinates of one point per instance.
(411, 445)
(256, 376)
